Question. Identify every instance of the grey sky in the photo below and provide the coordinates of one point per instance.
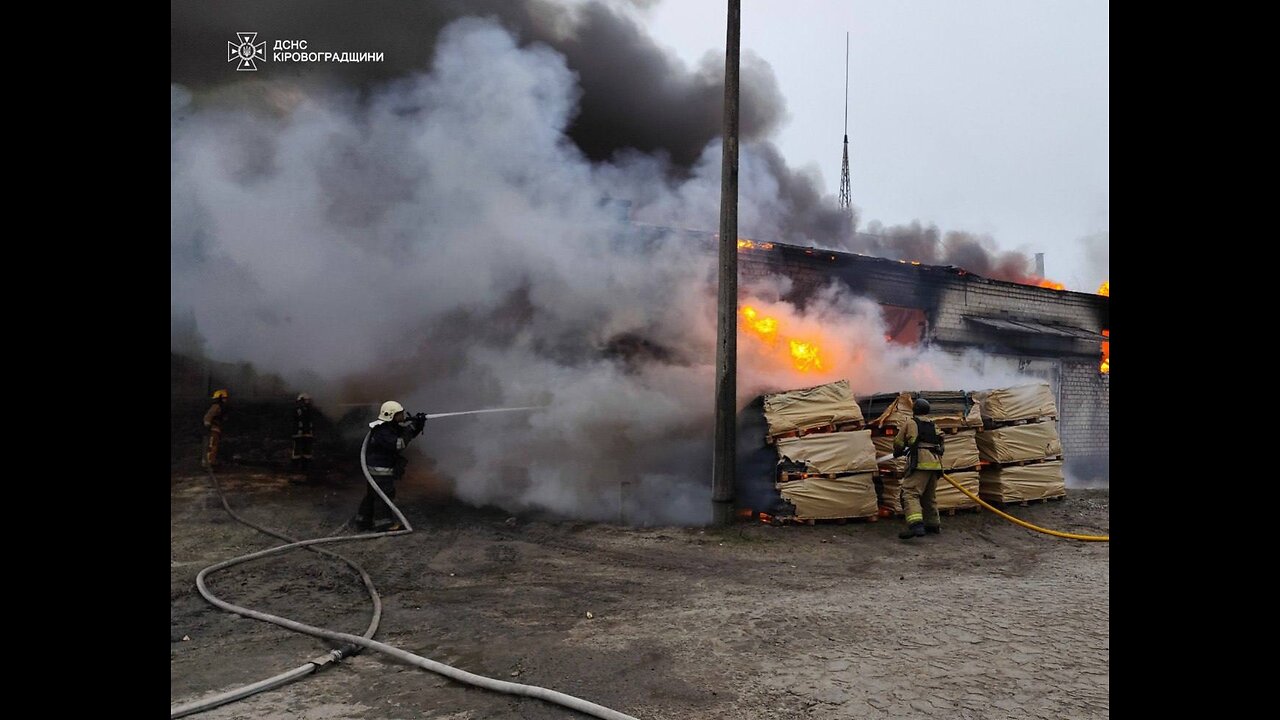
(990, 116)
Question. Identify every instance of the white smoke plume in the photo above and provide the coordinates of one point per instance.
(442, 242)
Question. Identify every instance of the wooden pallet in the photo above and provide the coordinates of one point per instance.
(896, 475)
(795, 520)
(1024, 503)
(885, 431)
(1024, 421)
(790, 476)
(816, 430)
(1020, 463)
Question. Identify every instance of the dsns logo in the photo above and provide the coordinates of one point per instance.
(246, 51)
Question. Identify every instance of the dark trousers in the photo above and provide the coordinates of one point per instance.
(373, 512)
(301, 456)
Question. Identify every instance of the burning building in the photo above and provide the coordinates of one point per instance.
(1056, 335)
(1035, 330)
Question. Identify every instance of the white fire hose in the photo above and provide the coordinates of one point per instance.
(448, 671)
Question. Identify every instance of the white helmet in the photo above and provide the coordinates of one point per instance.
(389, 410)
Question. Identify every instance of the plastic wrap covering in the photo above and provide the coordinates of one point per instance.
(960, 450)
(948, 497)
(1022, 402)
(837, 452)
(1013, 483)
(820, 498)
(811, 407)
(1017, 443)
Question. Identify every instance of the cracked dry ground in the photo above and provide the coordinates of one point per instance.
(988, 620)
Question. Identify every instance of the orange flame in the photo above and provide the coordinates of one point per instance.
(1047, 283)
(749, 514)
(1105, 288)
(1106, 352)
(805, 356)
(752, 245)
(765, 327)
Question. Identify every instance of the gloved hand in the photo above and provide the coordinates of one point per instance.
(899, 451)
(420, 422)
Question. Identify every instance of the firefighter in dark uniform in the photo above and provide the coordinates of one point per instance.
(388, 437)
(919, 440)
(303, 435)
(214, 417)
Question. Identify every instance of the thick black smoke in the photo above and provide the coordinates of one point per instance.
(926, 244)
(634, 97)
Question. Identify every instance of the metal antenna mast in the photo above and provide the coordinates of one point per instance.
(845, 201)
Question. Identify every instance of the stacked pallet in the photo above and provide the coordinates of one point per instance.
(960, 462)
(826, 460)
(1020, 449)
(957, 420)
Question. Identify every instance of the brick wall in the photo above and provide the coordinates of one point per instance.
(1085, 421)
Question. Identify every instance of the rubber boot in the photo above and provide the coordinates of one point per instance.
(914, 531)
(933, 529)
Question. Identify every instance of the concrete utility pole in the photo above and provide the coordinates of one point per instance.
(723, 471)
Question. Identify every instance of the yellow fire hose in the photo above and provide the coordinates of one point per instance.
(1029, 526)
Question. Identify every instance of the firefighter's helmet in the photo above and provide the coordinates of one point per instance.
(303, 397)
(389, 410)
(220, 394)
(921, 407)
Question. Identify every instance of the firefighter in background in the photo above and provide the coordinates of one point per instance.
(919, 440)
(213, 419)
(388, 437)
(303, 435)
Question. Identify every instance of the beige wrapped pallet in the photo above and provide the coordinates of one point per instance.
(838, 452)
(949, 498)
(849, 496)
(1019, 443)
(794, 410)
(1016, 483)
(1023, 402)
(960, 450)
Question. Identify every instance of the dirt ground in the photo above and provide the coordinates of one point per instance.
(987, 620)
